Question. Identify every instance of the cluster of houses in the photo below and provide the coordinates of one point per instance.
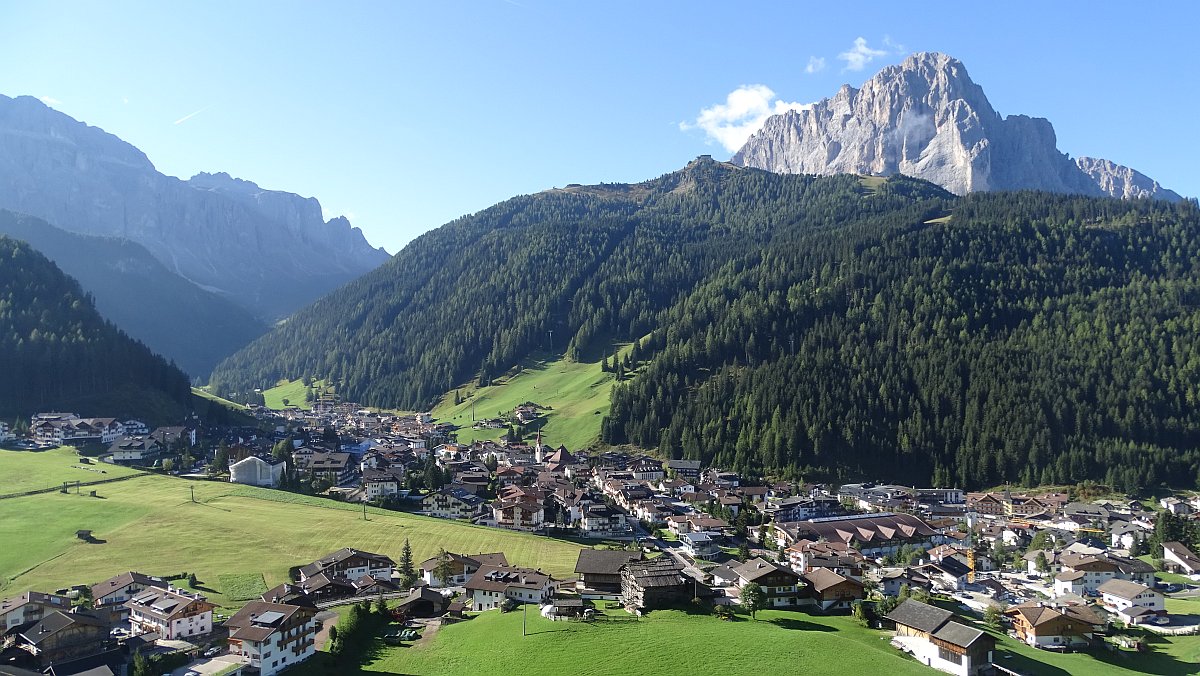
(812, 545)
(57, 633)
(128, 441)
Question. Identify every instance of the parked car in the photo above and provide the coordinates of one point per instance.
(212, 652)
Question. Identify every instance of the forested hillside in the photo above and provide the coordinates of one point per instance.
(193, 327)
(56, 352)
(588, 264)
(803, 325)
(1031, 338)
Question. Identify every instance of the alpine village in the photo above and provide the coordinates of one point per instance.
(815, 409)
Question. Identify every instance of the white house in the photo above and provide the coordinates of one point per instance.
(1134, 603)
(451, 503)
(256, 471)
(350, 564)
(271, 637)
(5, 434)
(137, 449)
(383, 483)
(1180, 558)
(171, 613)
(699, 545)
(1175, 506)
(136, 427)
(461, 567)
(491, 585)
(116, 590)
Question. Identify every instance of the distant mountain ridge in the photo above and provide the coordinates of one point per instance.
(172, 316)
(926, 118)
(269, 251)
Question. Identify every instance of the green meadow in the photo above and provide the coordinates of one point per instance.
(151, 524)
(31, 470)
(576, 395)
(663, 642)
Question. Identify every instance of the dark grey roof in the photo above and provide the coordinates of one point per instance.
(604, 561)
(920, 616)
(56, 622)
(952, 566)
(664, 571)
(958, 634)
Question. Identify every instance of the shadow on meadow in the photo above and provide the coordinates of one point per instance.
(794, 624)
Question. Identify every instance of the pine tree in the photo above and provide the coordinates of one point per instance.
(408, 573)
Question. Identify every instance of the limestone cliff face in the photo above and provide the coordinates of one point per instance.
(924, 118)
(269, 251)
(1123, 182)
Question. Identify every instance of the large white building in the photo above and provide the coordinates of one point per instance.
(1134, 603)
(255, 471)
(171, 613)
(491, 585)
(271, 637)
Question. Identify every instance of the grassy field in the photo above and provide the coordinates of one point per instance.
(150, 524)
(664, 642)
(778, 642)
(292, 390)
(30, 470)
(201, 392)
(1167, 657)
(578, 394)
(243, 587)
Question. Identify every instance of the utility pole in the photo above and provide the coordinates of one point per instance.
(551, 332)
(524, 619)
(365, 513)
(193, 493)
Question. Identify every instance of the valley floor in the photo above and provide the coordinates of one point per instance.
(150, 524)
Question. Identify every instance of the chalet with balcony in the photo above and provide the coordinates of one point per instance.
(169, 612)
(782, 585)
(350, 564)
(491, 585)
(271, 637)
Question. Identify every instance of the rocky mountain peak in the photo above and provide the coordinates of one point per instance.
(269, 251)
(924, 117)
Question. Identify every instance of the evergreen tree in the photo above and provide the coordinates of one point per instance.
(408, 573)
(442, 569)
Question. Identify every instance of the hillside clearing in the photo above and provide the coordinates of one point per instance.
(577, 396)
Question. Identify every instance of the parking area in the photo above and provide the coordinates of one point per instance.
(208, 666)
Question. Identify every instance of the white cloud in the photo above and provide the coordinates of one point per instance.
(49, 100)
(860, 55)
(816, 64)
(896, 47)
(743, 113)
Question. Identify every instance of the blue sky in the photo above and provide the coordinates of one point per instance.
(403, 116)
